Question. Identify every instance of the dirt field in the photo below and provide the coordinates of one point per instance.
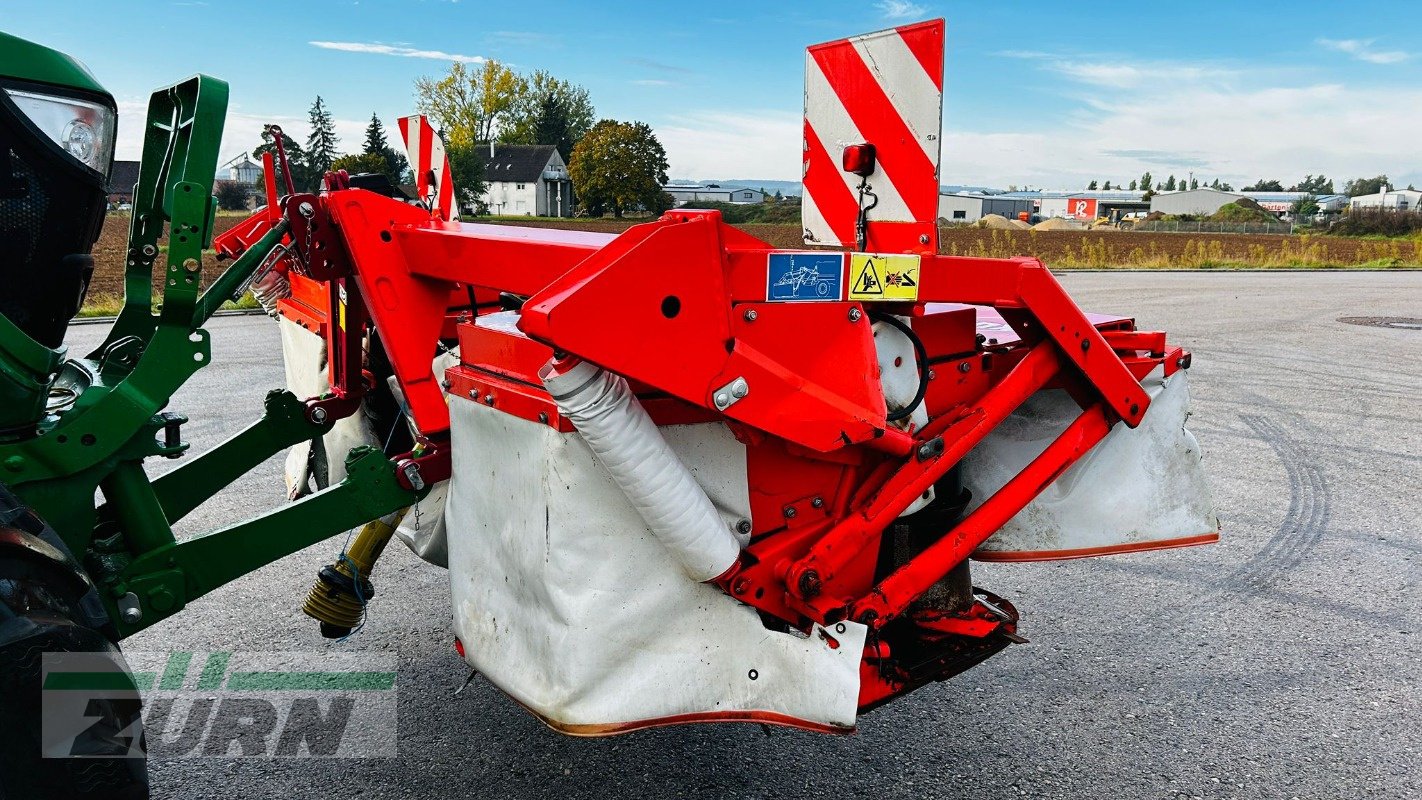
(1061, 249)
(110, 250)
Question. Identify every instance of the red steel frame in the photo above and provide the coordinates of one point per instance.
(666, 305)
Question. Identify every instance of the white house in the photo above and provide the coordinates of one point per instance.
(527, 180)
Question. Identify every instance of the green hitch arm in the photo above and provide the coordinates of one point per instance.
(165, 580)
(227, 284)
(284, 423)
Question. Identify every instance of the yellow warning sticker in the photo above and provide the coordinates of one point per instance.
(874, 276)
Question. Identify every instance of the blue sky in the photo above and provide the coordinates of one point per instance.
(1044, 94)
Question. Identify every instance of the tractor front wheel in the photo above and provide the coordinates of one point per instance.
(70, 723)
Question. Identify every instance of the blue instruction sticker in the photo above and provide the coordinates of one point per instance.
(804, 276)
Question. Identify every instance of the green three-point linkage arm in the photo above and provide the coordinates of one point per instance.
(101, 438)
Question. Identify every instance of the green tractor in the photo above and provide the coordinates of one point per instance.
(77, 574)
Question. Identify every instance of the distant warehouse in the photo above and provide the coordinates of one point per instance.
(1080, 206)
(740, 195)
(1204, 202)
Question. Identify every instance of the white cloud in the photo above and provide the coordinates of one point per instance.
(901, 9)
(652, 82)
(1237, 135)
(761, 144)
(380, 48)
(1362, 49)
(1130, 76)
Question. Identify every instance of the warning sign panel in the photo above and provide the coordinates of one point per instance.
(883, 277)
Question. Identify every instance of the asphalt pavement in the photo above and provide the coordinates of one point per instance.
(1282, 662)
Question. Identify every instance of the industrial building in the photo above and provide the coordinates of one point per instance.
(739, 195)
(1080, 206)
(966, 207)
(1087, 206)
(1204, 202)
(1395, 200)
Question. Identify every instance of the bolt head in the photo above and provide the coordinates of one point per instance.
(790, 512)
(132, 616)
(818, 502)
(740, 390)
(855, 315)
(318, 415)
(722, 399)
(744, 526)
(751, 315)
(923, 238)
(306, 210)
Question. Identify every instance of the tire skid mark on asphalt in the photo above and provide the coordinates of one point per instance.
(1303, 525)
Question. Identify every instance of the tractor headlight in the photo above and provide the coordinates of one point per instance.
(82, 129)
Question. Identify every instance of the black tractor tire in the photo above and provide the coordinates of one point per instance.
(48, 606)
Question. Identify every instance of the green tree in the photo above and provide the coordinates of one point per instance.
(361, 163)
(1194, 183)
(466, 169)
(295, 157)
(1170, 184)
(1313, 185)
(1133, 186)
(1361, 186)
(1106, 187)
(321, 144)
(1265, 185)
(619, 166)
(469, 104)
(1145, 182)
(376, 143)
(1304, 207)
(1091, 187)
(549, 111)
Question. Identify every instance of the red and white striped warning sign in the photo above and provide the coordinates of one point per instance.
(428, 161)
(884, 89)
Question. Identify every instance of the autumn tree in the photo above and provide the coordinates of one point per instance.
(361, 163)
(231, 195)
(549, 111)
(619, 166)
(469, 104)
(322, 143)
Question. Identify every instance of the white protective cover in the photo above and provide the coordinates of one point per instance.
(567, 601)
(303, 352)
(1139, 489)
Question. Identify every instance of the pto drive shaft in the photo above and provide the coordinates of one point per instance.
(338, 598)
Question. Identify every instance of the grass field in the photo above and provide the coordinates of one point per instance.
(1058, 249)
